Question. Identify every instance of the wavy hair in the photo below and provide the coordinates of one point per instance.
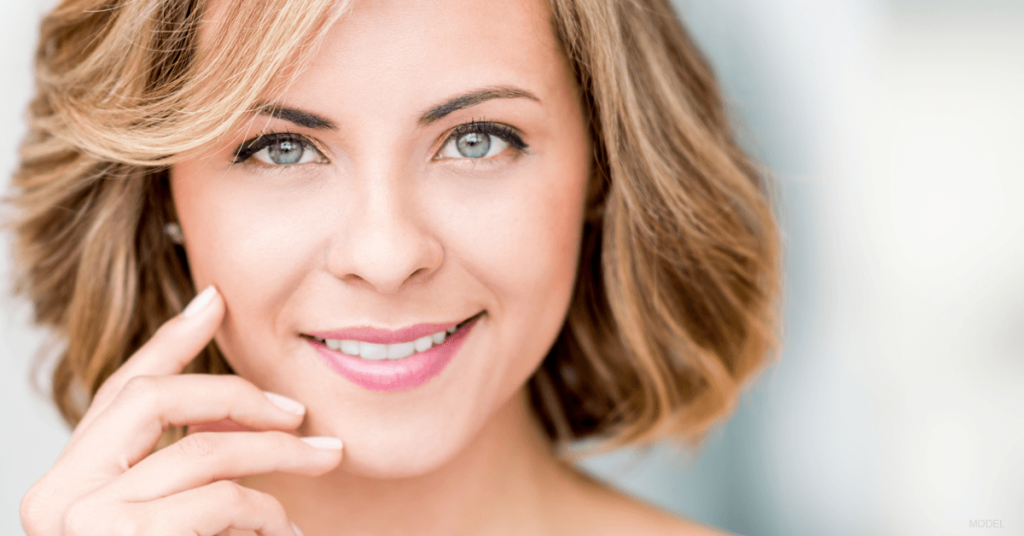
(677, 299)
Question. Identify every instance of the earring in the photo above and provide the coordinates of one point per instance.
(173, 230)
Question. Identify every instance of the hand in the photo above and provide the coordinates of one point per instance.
(108, 481)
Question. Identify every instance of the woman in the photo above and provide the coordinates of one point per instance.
(459, 238)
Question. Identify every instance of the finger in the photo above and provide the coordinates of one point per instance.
(200, 459)
(214, 508)
(225, 425)
(176, 343)
(130, 427)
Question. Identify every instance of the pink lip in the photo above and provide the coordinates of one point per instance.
(385, 336)
(398, 374)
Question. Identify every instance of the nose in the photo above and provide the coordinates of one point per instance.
(384, 240)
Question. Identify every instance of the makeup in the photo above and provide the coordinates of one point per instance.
(396, 374)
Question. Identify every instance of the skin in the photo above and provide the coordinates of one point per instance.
(373, 231)
(380, 234)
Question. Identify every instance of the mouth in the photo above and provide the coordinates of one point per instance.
(378, 349)
(394, 367)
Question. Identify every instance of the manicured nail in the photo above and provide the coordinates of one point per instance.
(199, 302)
(326, 443)
(296, 529)
(291, 406)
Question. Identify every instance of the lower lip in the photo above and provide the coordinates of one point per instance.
(397, 374)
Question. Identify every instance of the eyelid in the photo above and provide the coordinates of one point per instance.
(244, 152)
(507, 133)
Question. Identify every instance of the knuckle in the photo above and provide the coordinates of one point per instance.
(273, 508)
(32, 509)
(126, 525)
(140, 388)
(229, 492)
(79, 519)
(237, 495)
(266, 503)
(199, 446)
(106, 390)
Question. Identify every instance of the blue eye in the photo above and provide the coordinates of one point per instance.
(478, 140)
(280, 149)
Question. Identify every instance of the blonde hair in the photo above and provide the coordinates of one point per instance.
(677, 298)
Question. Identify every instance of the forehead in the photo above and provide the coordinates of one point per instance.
(387, 53)
(439, 22)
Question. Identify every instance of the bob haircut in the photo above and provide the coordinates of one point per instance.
(676, 303)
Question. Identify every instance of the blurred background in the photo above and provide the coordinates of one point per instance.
(896, 131)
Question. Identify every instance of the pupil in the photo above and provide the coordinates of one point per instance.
(473, 144)
(286, 152)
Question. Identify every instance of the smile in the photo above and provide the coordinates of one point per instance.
(371, 365)
(375, 352)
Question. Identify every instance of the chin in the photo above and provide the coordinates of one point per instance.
(395, 454)
(395, 465)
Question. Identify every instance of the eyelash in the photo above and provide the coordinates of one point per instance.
(505, 132)
(248, 148)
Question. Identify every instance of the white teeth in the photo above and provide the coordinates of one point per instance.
(350, 347)
(398, 351)
(368, 350)
(423, 343)
(376, 352)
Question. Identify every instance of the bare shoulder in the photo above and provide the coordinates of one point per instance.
(601, 509)
(632, 516)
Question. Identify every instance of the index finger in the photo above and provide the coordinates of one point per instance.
(174, 345)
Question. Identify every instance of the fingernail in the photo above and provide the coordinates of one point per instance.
(291, 406)
(199, 302)
(296, 529)
(326, 443)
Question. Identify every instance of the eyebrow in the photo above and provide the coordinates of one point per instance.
(472, 99)
(310, 120)
(299, 117)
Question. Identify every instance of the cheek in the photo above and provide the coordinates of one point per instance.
(253, 247)
(527, 246)
(535, 243)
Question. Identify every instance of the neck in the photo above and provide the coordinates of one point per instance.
(503, 482)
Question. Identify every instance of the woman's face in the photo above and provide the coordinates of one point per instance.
(386, 208)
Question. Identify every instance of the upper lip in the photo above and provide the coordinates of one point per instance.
(387, 336)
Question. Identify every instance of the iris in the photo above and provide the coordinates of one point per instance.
(473, 144)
